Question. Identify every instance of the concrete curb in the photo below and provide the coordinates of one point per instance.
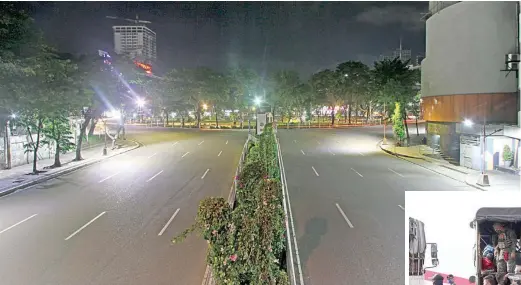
(473, 184)
(4, 192)
(404, 156)
(397, 154)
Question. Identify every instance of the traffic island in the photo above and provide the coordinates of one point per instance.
(246, 234)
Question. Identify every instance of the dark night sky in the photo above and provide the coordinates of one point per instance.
(305, 36)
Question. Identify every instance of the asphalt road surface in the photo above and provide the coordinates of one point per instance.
(347, 199)
(112, 222)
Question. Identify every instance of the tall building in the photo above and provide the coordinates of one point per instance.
(400, 53)
(468, 86)
(137, 41)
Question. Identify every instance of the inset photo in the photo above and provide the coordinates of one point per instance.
(463, 238)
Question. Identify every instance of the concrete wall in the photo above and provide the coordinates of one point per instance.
(466, 45)
(18, 155)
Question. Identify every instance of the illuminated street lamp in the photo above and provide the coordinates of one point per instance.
(140, 102)
(257, 101)
(13, 116)
(483, 178)
(205, 107)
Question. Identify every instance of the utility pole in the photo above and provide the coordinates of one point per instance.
(7, 145)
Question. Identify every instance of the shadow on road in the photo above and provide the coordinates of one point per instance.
(315, 229)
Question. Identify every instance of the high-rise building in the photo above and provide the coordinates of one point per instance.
(137, 41)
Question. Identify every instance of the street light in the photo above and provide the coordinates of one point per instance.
(205, 107)
(258, 101)
(140, 102)
(13, 116)
(483, 178)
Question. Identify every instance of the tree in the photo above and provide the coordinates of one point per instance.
(398, 125)
(244, 85)
(398, 80)
(284, 92)
(57, 131)
(353, 79)
(325, 87)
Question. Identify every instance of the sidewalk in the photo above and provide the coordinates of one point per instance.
(424, 156)
(20, 177)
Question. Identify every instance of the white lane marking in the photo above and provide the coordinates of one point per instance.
(154, 176)
(84, 226)
(285, 189)
(24, 220)
(201, 143)
(396, 172)
(330, 151)
(185, 154)
(315, 170)
(226, 142)
(220, 153)
(107, 178)
(295, 141)
(361, 154)
(302, 152)
(168, 223)
(175, 143)
(344, 215)
(357, 172)
(152, 155)
(206, 172)
(401, 207)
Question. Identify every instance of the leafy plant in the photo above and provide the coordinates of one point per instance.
(247, 242)
(398, 126)
(507, 153)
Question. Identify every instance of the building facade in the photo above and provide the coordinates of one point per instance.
(136, 41)
(464, 77)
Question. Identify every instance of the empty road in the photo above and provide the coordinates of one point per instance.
(347, 200)
(112, 222)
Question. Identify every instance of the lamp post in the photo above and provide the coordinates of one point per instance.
(140, 104)
(483, 177)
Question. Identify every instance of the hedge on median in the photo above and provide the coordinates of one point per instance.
(247, 242)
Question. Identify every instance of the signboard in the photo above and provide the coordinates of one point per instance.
(261, 123)
(146, 67)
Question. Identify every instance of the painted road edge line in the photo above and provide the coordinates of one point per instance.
(107, 178)
(226, 142)
(220, 153)
(344, 215)
(168, 223)
(175, 143)
(302, 152)
(201, 142)
(206, 172)
(396, 172)
(24, 220)
(357, 172)
(149, 179)
(84, 226)
(315, 170)
(283, 172)
(401, 207)
(185, 154)
(152, 155)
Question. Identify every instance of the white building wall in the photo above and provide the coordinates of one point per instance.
(466, 45)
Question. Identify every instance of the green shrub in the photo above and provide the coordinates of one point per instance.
(247, 243)
(507, 153)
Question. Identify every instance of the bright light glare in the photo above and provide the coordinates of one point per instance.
(258, 101)
(140, 102)
(468, 122)
(205, 106)
(13, 116)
